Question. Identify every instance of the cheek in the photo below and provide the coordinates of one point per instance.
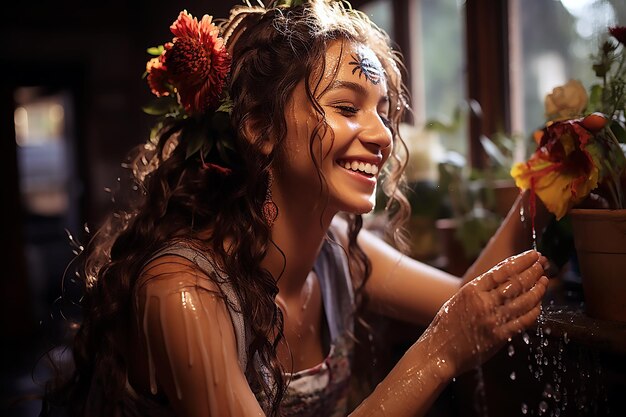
(300, 125)
(342, 129)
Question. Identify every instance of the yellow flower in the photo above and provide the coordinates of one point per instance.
(564, 169)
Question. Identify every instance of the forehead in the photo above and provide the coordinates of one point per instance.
(355, 62)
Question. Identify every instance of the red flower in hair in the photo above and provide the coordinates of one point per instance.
(157, 77)
(619, 33)
(195, 64)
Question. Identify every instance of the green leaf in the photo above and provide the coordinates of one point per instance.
(195, 141)
(226, 106)
(221, 149)
(154, 132)
(156, 50)
(619, 131)
(595, 99)
(600, 70)
(161, 106)
(290, 3)
(220, 121)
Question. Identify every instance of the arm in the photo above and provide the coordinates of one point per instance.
(399, 286)
(468, 329)
(190, 342)
(405, 289)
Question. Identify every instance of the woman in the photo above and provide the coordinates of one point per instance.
(231, 289)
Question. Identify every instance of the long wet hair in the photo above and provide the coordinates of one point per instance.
(272, 49)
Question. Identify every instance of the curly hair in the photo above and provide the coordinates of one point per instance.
(272, 49)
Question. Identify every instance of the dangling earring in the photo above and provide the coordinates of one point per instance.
(270, 209)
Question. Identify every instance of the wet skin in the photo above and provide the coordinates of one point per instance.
(184, 343)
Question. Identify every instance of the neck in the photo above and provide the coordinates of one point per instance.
(299, 233)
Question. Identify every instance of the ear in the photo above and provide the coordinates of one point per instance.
(259, 134)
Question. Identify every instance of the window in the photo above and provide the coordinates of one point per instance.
(437, 77)
(551, 43)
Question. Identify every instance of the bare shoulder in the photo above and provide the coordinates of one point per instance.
(173, 272)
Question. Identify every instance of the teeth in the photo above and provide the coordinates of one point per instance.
(361, 166)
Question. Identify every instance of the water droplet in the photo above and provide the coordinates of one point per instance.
(511, 350)
(524, 408)
(512, 376)
(543, 406)
(545, 342)
(526, 338)
(548, 330)
(557, 412)
(545, 361)
(565, 338)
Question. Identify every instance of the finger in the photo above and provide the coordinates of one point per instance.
(510, 266)
(520, 283)
(519, 323)
(520, 305)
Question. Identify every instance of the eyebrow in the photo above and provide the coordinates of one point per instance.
(356, 87)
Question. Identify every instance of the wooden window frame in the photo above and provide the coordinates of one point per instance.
(488, 78)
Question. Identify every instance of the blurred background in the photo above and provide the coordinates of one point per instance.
(71, 97)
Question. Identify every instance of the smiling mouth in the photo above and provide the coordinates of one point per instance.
(364, 168)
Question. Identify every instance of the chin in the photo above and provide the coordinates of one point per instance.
(359, 208)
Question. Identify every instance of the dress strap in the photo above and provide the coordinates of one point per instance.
(336, 286)
(233, 303)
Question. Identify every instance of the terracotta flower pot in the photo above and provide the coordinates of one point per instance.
(600, 238)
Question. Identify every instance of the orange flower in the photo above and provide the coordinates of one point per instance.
(564, 168)
(197, 62)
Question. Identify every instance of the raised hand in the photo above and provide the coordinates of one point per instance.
(488, 310)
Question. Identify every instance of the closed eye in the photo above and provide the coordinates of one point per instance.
(347, 110)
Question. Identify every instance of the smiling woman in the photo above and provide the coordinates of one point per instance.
(358, 141)
(233, 288)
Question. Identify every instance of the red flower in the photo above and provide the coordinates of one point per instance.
(197, 62)
(619, 33)
(157, 77)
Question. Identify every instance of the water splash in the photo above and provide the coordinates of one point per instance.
(511, 350)
(543, 407)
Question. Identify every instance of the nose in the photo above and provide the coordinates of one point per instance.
(375, 134)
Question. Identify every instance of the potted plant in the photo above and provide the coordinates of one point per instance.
(579, 168)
